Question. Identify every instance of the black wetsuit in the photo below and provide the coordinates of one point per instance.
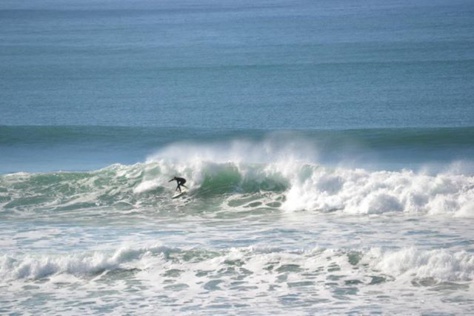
(180, 181)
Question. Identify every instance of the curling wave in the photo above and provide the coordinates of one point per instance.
(287, 185)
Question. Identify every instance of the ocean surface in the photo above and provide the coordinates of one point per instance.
(328, 148)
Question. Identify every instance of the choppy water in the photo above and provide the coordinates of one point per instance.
(327, 147)
(263, 229)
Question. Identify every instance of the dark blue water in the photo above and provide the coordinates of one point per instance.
(53, 148)
(104, 83)
(239, 65)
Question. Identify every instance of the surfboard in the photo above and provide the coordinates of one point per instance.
(177, 195)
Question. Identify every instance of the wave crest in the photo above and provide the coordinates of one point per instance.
(290, 185)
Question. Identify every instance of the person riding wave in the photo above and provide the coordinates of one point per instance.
(180, 182)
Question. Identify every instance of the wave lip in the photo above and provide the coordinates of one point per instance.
(290, 185)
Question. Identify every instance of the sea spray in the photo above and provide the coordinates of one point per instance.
(305, 186)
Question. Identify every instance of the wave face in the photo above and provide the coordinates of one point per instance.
(270, 173)
(290, 188)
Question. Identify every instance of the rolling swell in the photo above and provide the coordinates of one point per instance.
(372, 137)
(84, 148)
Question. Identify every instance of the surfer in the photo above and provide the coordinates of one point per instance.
(180, 182)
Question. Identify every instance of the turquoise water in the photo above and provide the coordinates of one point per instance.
(327, 147)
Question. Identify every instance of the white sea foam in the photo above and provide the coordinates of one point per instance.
(258, 276)
(412, 263)
(79, 265)
(369, 192)
(261, 268)
(312, 186)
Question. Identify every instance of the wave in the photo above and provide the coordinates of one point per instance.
(80, 148)
(349, 267)
(372, 137)
(245, 183)
(241, 170)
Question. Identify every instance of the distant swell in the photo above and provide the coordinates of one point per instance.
(371, 138)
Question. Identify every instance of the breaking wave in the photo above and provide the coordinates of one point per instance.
(289, 185)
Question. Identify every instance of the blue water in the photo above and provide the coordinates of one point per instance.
(328, 148)
(80, 148)
(270, 65)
